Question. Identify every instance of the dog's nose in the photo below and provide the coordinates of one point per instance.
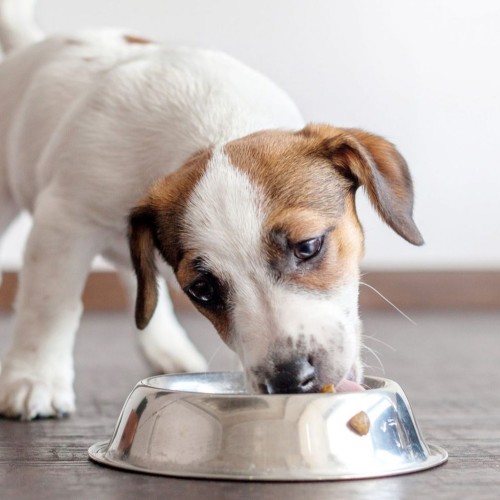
(297, 375)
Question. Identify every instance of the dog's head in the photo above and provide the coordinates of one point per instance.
(263, 236)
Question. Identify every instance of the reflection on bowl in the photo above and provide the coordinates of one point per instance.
(205, 425)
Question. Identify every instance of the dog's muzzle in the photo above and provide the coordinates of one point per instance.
(295, 376)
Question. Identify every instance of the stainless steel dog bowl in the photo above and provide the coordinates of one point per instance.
(205, 425)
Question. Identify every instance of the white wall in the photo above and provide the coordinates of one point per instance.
(424, 73)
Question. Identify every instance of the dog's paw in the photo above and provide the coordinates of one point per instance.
(25, 396)
(167, 358)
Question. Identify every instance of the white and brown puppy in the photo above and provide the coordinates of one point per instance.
(205, 162)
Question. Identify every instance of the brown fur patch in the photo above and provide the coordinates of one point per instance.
(136, 39)
(73, 41)
(376, 164)
(220, 320)
(339, 259)
(306, 197)
(186, 274)
(141, 242)
(186, 271)
(168, 198)
(299, 224)
(344, 250)
(156, 222)
(286, 165)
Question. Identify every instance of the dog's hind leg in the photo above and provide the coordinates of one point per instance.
(37, 375)
(164, 341)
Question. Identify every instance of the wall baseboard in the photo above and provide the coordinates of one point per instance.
(433, 289)
(406, 289)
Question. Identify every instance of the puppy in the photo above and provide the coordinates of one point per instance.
(141, 152)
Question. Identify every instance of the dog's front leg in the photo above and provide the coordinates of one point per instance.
(37, 373)
(164, 341)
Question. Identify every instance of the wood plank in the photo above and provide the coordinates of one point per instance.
(406, 289)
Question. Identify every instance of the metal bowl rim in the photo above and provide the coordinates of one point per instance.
(385, 385)
(437, 456)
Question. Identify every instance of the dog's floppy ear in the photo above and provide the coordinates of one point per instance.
(374, 163)
(142, 252)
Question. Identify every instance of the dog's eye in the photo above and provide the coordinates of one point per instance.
(204, 290)
(308, 249)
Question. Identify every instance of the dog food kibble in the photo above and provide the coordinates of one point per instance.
(360, 423)
(328, 388)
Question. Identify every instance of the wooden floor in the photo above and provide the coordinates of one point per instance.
(448, 364)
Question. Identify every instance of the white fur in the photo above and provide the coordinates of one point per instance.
(87, 123)
(276, 312)
(224, 219)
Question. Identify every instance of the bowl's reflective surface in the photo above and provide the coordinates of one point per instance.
(204, 425)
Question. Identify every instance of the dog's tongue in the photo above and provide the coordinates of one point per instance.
(347, 385)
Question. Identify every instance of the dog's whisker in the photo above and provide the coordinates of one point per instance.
(385, 344)
(212, 357)
(367, 367)
(376, 356)
(388, 301)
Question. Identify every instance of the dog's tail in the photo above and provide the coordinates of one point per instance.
(17, 24)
